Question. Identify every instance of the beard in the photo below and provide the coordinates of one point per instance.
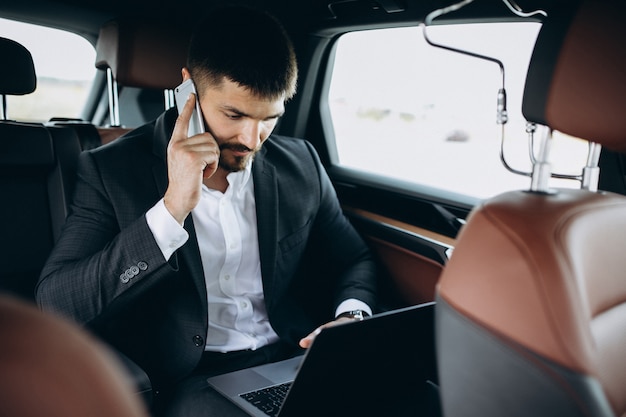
(235, 163)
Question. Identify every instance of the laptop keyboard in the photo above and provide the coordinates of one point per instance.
(268, 399)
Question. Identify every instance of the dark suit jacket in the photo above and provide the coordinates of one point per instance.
(107, 272)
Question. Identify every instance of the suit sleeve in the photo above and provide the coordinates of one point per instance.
(101, 262)
(342, 246)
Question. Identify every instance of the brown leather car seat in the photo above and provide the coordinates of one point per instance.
(146, 54)
(531, 308)
(51, 368)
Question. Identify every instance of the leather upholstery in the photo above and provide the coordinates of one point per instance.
(581, 91)
(17, 70)
(545, 273)
(50, 367)
(37, 168)
(37, 176)
(414, 276)
(531, 313)
(37, 172)
(143, 54)
(26, 160)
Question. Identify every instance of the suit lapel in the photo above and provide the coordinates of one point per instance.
(266, 196)
(190, 255)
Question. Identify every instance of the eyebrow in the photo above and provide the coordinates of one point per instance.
(244, 114)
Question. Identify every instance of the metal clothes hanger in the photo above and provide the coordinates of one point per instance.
(542, 171)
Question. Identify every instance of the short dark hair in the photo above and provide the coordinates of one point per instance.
(247, 46)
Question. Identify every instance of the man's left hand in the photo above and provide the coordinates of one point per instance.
(306, 341)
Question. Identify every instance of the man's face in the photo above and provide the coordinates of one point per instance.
(239, 120)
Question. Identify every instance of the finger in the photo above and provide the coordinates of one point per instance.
(211, 163)
(182, 122)
(306, 341)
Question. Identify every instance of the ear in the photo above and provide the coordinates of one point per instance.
(185, 73)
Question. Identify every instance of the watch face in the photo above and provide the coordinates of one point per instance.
(357, 314)
(354, 314)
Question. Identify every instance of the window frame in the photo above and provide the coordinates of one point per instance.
(344, 174)
(92, 85)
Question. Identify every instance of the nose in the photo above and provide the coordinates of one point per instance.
(253, 134)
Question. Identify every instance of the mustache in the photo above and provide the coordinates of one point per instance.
(237, 147)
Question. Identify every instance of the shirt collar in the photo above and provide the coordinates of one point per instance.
(237, 181)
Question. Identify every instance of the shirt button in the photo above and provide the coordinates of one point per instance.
(244, 304)
(198, 340)
(226, 277)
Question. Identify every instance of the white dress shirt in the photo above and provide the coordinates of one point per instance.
(226, 229)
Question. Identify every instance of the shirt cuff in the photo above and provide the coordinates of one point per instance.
(167, 232)
(352, 304)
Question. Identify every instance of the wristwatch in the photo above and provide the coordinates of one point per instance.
(354, 314)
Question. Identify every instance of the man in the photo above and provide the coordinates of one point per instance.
(199, 255)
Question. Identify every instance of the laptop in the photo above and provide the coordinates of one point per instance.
(371, 367)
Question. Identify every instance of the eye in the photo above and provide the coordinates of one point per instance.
(233, 116)
(272, 119)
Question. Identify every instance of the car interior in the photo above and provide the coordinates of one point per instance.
(77, 375)
(528, 281)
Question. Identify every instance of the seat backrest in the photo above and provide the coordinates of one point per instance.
(52, 368)
(144, 54)
(37, 175)
(147, 54)
(37, 169)
(531, 313)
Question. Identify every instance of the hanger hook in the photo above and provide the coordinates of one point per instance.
(502, 116)
(518, 10)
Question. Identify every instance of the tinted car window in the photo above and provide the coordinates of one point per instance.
(399, 107)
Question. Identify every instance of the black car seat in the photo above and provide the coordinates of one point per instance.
(37, 175)
(37, 168)
(531, 308)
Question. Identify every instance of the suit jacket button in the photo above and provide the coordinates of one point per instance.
(142, 265)
(124, 278)
(198, 340)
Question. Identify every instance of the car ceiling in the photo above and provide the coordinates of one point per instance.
(298, 16)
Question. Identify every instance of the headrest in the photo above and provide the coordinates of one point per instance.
(17, 71)
(143, 54)
(576, 80)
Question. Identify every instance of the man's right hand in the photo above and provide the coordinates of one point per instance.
(189, 160)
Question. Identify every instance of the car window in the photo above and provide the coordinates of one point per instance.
(399, 107)
(64, 64)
